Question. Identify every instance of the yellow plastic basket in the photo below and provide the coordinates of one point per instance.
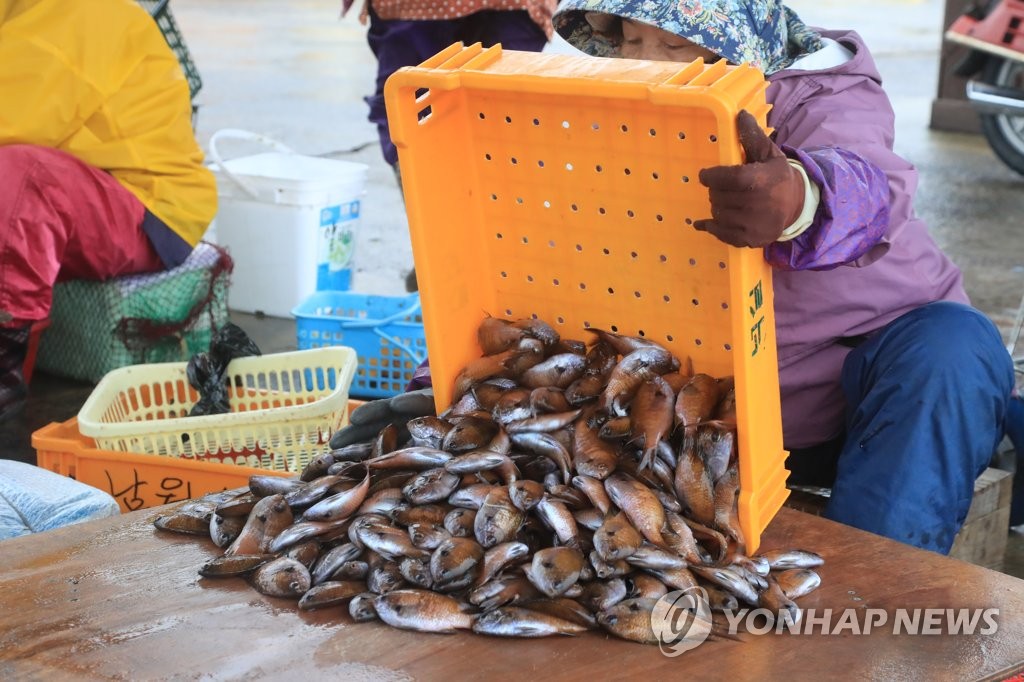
(565, 187)
(284, 408)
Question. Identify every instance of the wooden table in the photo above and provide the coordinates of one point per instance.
(118, 599)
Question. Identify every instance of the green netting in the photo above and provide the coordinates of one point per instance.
(163, 317)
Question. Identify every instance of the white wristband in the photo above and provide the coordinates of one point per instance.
(812, 196)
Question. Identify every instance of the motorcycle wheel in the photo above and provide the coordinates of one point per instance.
(1005, 134)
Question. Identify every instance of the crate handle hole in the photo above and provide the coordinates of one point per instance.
(424, 114)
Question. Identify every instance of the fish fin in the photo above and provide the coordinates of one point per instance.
(647, 460)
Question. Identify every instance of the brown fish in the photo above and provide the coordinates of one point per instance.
(630, 619)
(503, 591)
(188, 524)
(460, 522)
(422, 610)
(586, 388)
(545, 423)
(515, 621)
(428, 431)
(341, 505)
(487, 367)
(617, 538)
(548, 399)
(498, 557)
(427, 535)
(622, 344)
(282, 577)
(651, 416)
(262, 485)
(538, 329)
(594, 490)
(640, 505)
(226, 566)
(635, 368)
(432, 485)
(525, 494)
(498, 519)
(727, 492)
(268, 518)
(304, 530)
(547, 445)
(602, 595)
(329, 562)
(416, 458)
(558, 371)
(643, 586)
(775, 600)
(555, 569)
(496, 335)
(330, 593)
(488, 393)
(796, 582)
(469, 433)
(559, 519)
(564, 609)
(455, 557)
(592, 456)
(782, 559)
(693, 485)
(361, 607)
(696, 401)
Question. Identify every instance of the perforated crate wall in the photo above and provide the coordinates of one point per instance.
(565, 187)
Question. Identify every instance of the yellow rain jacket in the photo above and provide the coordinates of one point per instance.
(96, 79)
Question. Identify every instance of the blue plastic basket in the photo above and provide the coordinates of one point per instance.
(385, 331)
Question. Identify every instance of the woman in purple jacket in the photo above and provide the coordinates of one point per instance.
(894, 390)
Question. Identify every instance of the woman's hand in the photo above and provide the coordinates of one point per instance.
(753, 203)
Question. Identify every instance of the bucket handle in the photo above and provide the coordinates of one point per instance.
(417, 358)
(238, 134)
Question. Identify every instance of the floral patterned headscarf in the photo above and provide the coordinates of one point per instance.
(764, 33)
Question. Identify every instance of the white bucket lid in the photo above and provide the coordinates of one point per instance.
(289, 178)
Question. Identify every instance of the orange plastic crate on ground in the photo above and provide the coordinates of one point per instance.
(139, 481)
(565, 187)
(135, 481)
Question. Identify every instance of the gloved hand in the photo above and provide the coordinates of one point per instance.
(753, 203)
(368, 419)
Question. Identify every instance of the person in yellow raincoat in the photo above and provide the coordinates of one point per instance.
(100, 172)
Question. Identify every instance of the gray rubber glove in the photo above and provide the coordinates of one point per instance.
(370, 418)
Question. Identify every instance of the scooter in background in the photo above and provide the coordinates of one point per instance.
(994, 30)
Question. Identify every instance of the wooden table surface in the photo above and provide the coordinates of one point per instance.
(119, 599)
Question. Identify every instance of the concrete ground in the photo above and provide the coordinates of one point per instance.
(294, 71)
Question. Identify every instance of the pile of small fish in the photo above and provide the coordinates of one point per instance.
(568, 487)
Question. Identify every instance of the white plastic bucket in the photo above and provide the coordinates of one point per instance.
(288, 222)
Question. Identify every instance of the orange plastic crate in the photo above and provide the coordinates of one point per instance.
(139, 481)
(565, 187)
(136, 481)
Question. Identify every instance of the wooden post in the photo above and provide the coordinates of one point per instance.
(950, 108)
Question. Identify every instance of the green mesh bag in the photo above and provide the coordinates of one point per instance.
(140, 319)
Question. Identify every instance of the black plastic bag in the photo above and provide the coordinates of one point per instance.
(206, 370)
